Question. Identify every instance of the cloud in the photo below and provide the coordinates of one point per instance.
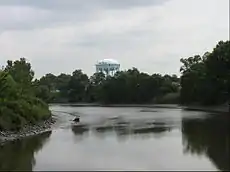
(61, 36)
(27, 14)
(75, 5)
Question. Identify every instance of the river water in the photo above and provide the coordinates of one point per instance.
(112, 138)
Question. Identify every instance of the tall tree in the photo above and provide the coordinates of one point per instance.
(78, 86)
(205, 80)
(22, 73)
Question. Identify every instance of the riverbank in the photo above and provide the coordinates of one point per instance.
(217, 109)
(116, 105)
(27, 130)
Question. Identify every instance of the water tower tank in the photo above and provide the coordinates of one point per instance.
(107, 66)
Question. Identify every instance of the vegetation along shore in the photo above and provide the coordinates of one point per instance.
(204, 82)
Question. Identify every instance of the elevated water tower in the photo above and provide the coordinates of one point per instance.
(107, 66)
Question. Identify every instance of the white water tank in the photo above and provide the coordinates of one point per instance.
(107, 66)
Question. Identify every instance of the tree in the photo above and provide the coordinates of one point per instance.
(22, 73)
(94, 89)
(218, 66)
(49, 80)
(205, 80)
(62, 85)
(18, 103)
(77, 86)
(8, 87)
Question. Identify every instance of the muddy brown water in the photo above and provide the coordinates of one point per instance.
(125, 138)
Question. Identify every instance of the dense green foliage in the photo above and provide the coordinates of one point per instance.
(206, 80)
(129, 86)
(18, 102)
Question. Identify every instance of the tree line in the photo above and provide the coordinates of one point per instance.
(131, 86)
(205, 80)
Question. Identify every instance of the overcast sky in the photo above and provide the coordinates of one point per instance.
(59, 36)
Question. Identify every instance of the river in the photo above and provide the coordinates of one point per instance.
(127, 138)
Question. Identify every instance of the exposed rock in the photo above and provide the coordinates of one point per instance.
(27, 130)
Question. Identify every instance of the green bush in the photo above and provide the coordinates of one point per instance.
(15, 114)
(10, 120)
(18, 104)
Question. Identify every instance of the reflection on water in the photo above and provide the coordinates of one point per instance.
(125, 139)
(19, 155)
(207, 136)
(123, 128)
(80, 132)
(79, 129)
(210, 137)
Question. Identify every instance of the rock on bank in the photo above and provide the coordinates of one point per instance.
(27, 130)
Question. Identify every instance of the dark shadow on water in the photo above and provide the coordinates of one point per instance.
(148, 110)
(80, 132)
(19, 155)
(156, 130)
(79, 129)
(208, 137)
(102, 129)
(124, 130)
